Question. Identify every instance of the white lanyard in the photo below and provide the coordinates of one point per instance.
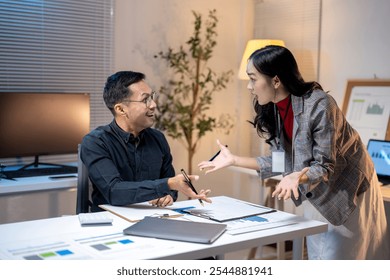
(278, 156)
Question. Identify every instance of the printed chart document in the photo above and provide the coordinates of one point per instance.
(257, 223)
(224, 208)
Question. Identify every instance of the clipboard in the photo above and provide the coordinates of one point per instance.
(137, 212)
(224, 208)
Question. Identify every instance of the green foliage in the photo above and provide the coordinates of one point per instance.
(187, 98)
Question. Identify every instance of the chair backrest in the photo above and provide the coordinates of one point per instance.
(83, 203)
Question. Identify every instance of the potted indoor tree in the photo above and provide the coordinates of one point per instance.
(185, 101)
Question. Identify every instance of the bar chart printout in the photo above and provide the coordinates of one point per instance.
(369, 111)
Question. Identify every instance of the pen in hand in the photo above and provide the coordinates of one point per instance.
(214, 156)
(189, 183)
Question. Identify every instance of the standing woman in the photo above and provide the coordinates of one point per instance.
(324, 163)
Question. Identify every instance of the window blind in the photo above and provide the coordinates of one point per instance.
(57, 46)
(297, 23)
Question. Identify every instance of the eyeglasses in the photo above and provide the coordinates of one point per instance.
(147, 101)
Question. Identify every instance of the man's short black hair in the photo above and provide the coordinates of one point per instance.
(117, 87)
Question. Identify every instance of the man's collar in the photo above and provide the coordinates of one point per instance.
(126, 136)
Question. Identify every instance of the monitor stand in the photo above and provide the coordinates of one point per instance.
(36, 164)
(4, 176)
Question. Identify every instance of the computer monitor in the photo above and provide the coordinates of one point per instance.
(379, 151)
(35, 124)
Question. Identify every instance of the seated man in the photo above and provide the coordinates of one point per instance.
(127, 160)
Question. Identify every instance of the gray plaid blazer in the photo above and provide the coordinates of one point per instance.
(340, 166)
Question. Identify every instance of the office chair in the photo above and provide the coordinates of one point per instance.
(83, 203)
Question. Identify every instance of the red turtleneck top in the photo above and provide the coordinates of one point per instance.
(287, 119)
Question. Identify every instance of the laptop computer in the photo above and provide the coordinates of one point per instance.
(177, 230)
(379, 151)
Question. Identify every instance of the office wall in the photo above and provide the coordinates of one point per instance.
(354, 43)
(332, 40)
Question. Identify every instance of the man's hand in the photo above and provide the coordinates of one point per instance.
(178, 183)
(162, 201)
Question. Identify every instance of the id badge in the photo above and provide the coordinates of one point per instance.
(278, 161)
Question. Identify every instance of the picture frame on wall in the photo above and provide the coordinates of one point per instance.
(367, 108)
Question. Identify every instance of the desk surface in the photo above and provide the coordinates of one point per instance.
(37, 183)
(64, 238)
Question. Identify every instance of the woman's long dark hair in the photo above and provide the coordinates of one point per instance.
(277, 61)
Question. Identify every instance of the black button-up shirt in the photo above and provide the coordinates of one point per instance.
(125, 169)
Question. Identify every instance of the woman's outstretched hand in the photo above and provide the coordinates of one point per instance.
(224, 159)
(289, 185)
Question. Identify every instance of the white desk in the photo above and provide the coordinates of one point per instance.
(37, 183)
(65, 236)
(36, 198)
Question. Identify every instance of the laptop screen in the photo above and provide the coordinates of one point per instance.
(379, 151)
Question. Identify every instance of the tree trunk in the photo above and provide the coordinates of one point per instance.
(190, 156)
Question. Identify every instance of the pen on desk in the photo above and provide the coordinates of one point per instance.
(188, 181)
(167, 216)
(214, 156)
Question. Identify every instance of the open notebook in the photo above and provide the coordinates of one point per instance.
(177, 230)
(379, 151)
